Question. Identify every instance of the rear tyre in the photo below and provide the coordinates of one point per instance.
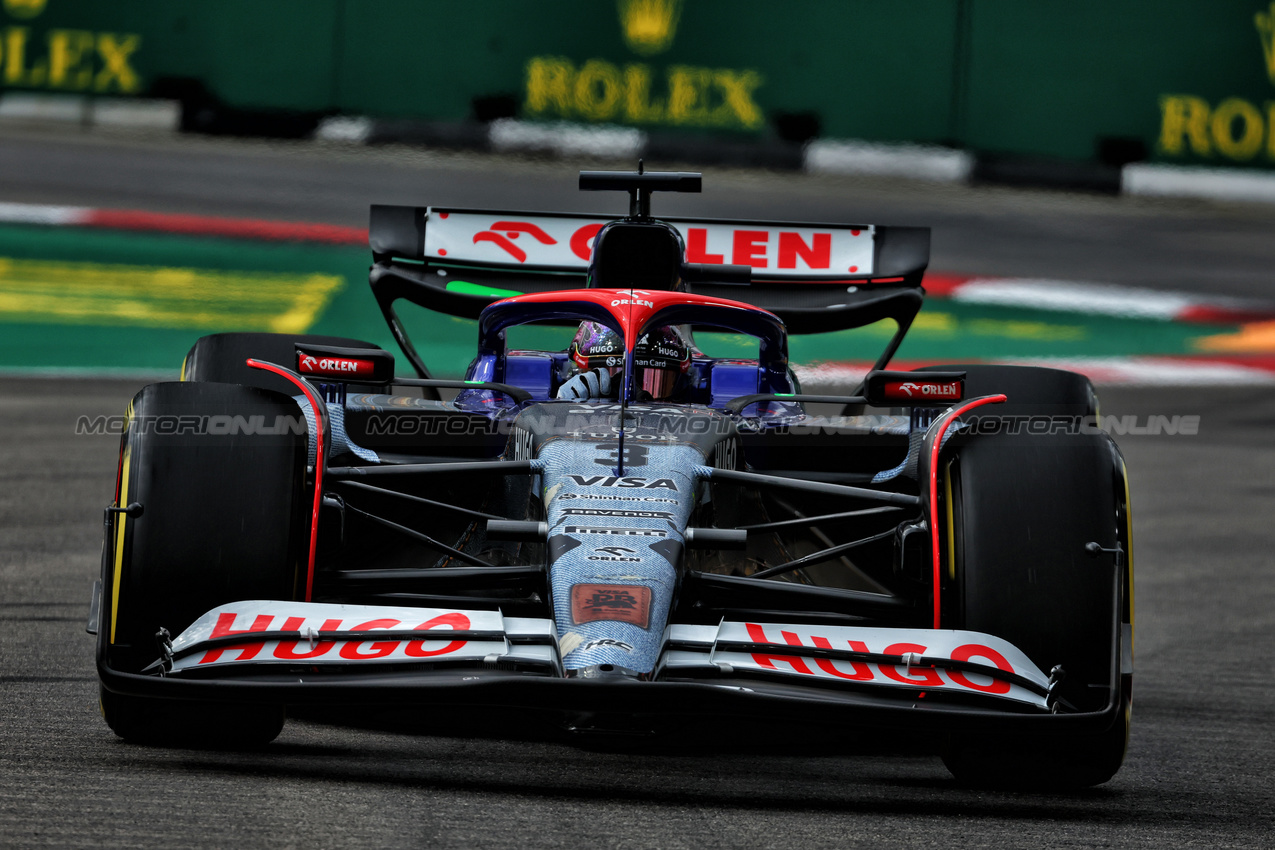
(222, 357)
(219, 472)
(1029, 390)
(1023, 509)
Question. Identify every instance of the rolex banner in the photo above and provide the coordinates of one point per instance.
(1174, 80)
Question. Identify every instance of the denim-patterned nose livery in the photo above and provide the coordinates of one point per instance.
(615, 545)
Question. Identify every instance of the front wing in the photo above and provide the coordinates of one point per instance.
(321, 653)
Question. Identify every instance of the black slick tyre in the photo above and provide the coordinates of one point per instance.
(222, 357)
(1029, 390)
(1023, 508)
(219, 472)
(183, 723)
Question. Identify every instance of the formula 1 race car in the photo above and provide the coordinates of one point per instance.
(626, 535)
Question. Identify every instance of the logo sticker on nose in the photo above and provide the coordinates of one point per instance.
(627, 603)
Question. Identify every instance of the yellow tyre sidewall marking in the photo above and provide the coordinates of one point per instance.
(118, 563)
(1128, 556)
(1128, 560)
(951, 522)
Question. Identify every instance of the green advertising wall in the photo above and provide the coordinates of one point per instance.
(721, 66)
(1176, 80)
(1194, 80)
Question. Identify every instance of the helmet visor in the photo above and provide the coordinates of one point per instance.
(660, 358)
(659, 383)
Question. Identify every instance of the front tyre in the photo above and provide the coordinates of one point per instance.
(159, 722)
(219, 471)
(1022, 509)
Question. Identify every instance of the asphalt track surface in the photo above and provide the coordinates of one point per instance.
(1200, 764)
(1195, 246)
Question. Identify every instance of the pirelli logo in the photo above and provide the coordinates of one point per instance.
(618, 532)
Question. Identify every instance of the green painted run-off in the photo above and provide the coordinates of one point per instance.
(946, 331)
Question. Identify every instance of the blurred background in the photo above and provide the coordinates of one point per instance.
(1098, 176)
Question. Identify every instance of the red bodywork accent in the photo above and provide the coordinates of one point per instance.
(934, 486)
(630, 307)
(318, 463)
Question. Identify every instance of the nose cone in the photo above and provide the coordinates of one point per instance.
(615, 548)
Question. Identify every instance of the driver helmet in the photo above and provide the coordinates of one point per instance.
(597, 347)
(660, 357)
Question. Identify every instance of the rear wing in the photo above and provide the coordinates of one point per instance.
(816, 277)
(551, 242)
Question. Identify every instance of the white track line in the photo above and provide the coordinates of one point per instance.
(43, 214)
(1101, 299)
(1193, 182)
(915, 162)
(1070, 297)
(1158, 371)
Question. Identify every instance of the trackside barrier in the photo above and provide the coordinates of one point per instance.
(1175, 81)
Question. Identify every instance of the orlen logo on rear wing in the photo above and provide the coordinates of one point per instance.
(886, 388)
(355, 365)
(775, 251)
